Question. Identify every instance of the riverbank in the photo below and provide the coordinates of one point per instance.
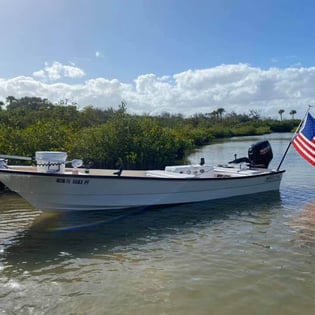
(115, 138)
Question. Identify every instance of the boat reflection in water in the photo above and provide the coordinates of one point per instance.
(54, 237)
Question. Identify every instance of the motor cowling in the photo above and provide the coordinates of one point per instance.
(260, 154)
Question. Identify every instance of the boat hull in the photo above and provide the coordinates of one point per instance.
(67, 192)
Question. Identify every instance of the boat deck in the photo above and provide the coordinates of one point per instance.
(217, 172)
(94, 172)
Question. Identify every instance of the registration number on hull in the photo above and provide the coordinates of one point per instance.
(72, 181)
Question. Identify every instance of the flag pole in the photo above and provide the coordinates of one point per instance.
(292, 138)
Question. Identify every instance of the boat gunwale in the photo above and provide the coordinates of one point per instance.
(121, 177)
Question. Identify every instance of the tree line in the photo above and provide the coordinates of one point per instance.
(113, 138)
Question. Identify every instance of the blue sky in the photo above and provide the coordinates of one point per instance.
(183, 56)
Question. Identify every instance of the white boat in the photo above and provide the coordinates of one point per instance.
(50, 186)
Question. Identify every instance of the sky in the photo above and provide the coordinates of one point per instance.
(176, 56)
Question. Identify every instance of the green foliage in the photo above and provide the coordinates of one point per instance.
(283, 126)
(130, 142)
(113, 138)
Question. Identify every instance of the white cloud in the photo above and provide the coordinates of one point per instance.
(238, 88)
(39, 74)
(56, 71)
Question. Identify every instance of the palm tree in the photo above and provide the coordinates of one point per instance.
(280, 112)
(292, 113)
(214, 114)
(220, 112)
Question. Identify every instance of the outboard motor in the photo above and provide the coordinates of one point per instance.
(260, 154)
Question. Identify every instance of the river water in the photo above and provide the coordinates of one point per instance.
(247, 255)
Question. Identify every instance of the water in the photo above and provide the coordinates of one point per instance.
(253, 255)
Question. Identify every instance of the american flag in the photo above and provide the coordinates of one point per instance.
(304, 142)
